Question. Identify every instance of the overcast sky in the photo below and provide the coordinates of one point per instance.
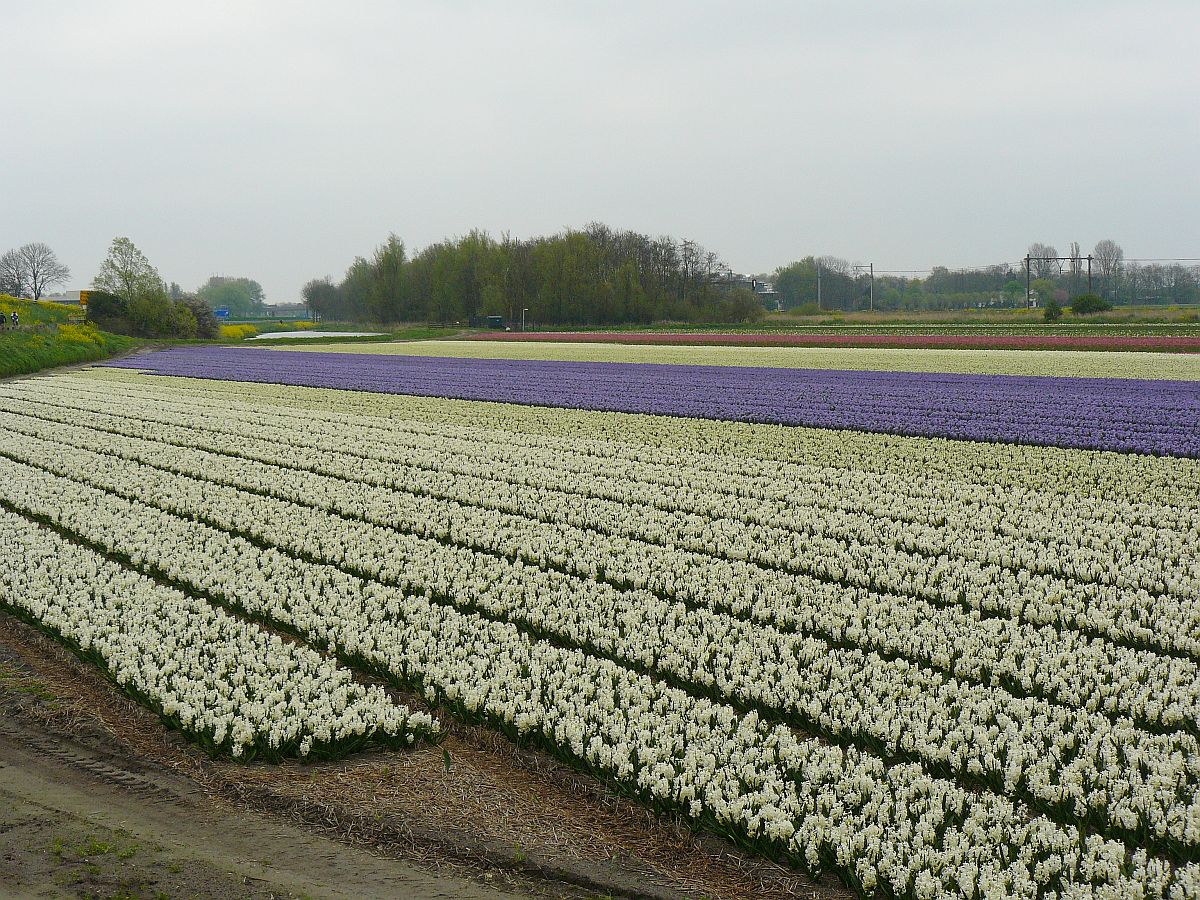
(277, 140)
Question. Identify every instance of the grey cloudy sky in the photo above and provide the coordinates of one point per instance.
(278, 140)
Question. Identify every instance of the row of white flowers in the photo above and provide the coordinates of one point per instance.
(1076, 764)
(1145, 549)
(784, 453)
(824, 806)
(1043, 534)
(881, 484)
(233, 686)
(1060, 664)
(860, 554)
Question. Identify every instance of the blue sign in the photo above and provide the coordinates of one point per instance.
(221, 312)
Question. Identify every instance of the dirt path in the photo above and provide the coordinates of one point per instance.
(76, 821)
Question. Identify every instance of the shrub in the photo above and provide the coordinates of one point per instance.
(1089, 303)
(1053, 311)
(237, 332)
(807, 309)
(153, 314)
(104, 308)
(207, 325)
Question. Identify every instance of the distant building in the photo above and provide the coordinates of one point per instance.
(67, 298)
(286, 311)
(765, 290)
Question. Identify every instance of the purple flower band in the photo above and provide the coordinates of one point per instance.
(1129, 415)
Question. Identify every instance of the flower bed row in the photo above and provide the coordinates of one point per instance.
(628, 545)
(1059, 363)
(819, 806)
(230, 686)
(939, 626)
(1133, 548)
(1157, 343)
(1160, 417)
(1073, 765)
(1144, 486)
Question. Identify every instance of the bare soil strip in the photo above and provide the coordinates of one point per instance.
(98, 799)
(76, 822)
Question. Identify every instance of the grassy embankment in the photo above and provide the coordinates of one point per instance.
(48, 338)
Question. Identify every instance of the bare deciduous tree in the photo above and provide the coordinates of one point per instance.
(1041, 263)
(42, 268)
(1110, 259)
(1076, 265)
(13, 280)
(30, 270)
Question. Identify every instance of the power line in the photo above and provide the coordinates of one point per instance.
(1020, 264)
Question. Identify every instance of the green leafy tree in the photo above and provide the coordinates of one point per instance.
(108, 310)
(742, 305)
(142, 301)
(797, 283)
(154, 315)
(206, 324)
(323, 298)
(243, 297)
(1053, 311)
(387, 294)
(127, 273)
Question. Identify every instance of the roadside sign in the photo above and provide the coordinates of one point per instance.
(84, 296)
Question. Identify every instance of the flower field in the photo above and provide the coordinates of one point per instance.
(1051, 363)
(957, 339)
(938, 634)
(1142, 415)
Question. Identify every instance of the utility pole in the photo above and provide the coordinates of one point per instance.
(1059, 259)
(818, 284)
(871, 268)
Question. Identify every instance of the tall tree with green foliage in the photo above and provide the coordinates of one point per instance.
(243, 297)
(128, 274)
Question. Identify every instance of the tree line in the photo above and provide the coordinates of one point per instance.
(590, 276)
(1113, 278)
(1052, 276)
(130, 297)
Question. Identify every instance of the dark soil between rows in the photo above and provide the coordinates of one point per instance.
(101, 800)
